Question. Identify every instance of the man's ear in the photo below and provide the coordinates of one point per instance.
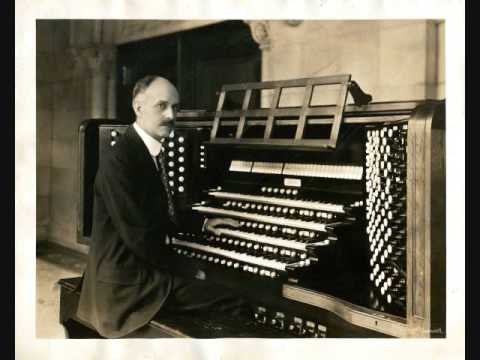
(137, 107)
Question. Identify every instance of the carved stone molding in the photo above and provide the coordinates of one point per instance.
(97, 65)
(133, 30)
(140, 28)
(100, 59)
(95, 60)
(293, 22)
(260, 33)
(78, 62)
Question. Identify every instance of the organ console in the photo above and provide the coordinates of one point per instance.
(341, 207)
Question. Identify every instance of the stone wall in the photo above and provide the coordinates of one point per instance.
(64, 99)
(45, 50)
(75, 81)
(392, 60)
(62, 103)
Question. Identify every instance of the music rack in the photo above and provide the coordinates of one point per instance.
(269, 118)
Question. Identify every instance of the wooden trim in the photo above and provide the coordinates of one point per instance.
(271, 114)
(354, 314)
(241, 125)
(303, 116)
(278, 142)
(341, 100)
(322, 80)
(387, 108)
(419, 222)
(352, 120)
(216, 121)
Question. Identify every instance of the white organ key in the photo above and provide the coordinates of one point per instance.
(359, 172)
(325, 171)
(241, 166)
(311, 170)
(262, 218)
(329, 171)
(279, 201)
(351, 172)
(277, 265)
(267, 167)
(335, 172)
(264, 239)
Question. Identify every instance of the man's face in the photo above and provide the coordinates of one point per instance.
(156, 108)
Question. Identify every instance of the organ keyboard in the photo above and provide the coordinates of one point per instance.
(309, 225)
(233, 255)
(313, 205)
(338, 237)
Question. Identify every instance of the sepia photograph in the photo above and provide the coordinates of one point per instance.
(240, 178)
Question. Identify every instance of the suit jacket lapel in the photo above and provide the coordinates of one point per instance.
(140, 151)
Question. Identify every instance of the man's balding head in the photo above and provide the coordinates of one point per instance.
(142, 84)
(155, 101)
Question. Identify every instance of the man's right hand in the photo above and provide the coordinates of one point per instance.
(212, 224)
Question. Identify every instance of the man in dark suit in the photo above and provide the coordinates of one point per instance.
(127, 279)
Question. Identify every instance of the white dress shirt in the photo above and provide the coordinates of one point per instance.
(153, 145)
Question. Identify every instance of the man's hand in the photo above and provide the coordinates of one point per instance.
(212, 224)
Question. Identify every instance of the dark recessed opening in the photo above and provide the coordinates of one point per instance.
(227, 127)
(315, 128)
(284, 127)
(233, 100)
(254, 127)
(197, 61)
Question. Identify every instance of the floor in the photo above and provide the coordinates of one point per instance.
(53, 263)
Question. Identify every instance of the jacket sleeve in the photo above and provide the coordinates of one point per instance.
(191, 221)
(141, 225)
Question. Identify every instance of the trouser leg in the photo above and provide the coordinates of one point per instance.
(194, 296)
(145, 332)
(198, 295)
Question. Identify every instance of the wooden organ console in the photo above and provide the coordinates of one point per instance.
(341, 206)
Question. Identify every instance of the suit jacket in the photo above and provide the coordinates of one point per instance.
(126, 280)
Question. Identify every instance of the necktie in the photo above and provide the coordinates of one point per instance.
(171, 207)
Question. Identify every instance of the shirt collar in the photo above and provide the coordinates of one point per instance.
(153, 145)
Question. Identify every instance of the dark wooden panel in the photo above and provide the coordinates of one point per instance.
(198, 62)
(438, 225)
(87, 165)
